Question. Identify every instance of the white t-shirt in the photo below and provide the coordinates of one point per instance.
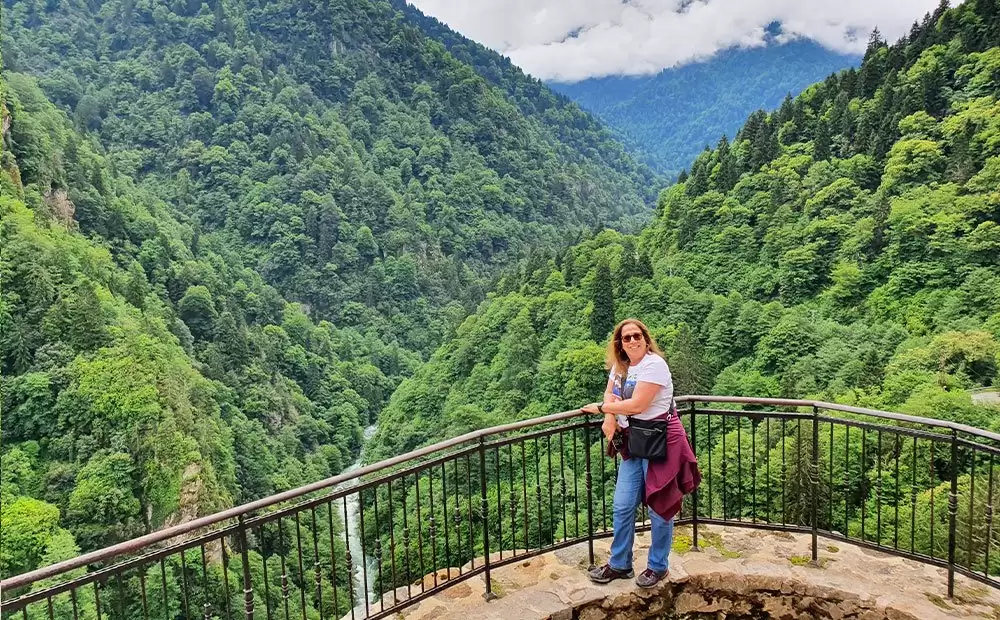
(652, 369)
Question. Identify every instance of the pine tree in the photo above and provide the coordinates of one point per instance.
(799, 123)
(690, 373)
(933, 82)
(752, 126)
(821, 143)
(629, 262)
(84, 319)
(644, 267)
(137, 287)
(947, 22)
(872, 69)
(700, 170)
(602, 318)
(729, 172)
(232, 338)
(786, 111)
(569, 267)
(763, 147)
(989, 31)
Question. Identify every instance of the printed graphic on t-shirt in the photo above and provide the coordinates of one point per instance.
(629, 387)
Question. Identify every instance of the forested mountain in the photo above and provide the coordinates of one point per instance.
(670, 117)
(532, 96)
(142, 389)
(350, 155)
(230, 229)
(844, 247)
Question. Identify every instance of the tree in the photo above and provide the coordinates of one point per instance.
(644, 267)
(602, 316)
(628, 265)
(137, 286)
(79, 318)
(690, 373)
(821, 143)
(102, 507)
(197, 310)
(29, 524)
(728, 170)
(763, 145)
(872, 70)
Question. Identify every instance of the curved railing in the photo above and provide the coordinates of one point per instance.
(369, 543)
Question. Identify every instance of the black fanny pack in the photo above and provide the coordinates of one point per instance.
(647, 439)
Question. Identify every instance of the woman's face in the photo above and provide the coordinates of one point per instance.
(633, 341)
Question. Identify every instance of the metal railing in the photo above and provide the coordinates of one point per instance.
(369, 543)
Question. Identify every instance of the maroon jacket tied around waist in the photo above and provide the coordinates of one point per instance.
(668, 481)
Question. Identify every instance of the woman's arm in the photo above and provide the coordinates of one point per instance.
(642, 396)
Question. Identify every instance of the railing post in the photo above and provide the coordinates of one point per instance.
(694, 496)
(247, 582)
(588, 480)
(814, 484)
(484, 506)
(952, 513)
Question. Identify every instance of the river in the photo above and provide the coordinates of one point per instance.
(353, 529)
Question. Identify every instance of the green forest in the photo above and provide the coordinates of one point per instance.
(236, 234)
(228, 233)
(844, 247)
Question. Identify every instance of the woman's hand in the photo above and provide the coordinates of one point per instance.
(591, 408)
(609, 427)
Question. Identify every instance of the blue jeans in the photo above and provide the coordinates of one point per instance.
(628, 495)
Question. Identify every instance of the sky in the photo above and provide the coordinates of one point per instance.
(570, 40)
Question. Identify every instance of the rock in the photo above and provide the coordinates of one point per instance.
(62, 207)
(592, 613)
(442, 576)
(762, 583)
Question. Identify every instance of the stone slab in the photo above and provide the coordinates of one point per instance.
(737, 570)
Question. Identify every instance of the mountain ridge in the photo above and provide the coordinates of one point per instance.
(670, 116)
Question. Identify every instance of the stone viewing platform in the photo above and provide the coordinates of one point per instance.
(738, 574)
(491, 485)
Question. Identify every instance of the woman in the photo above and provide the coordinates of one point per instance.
(639, 384)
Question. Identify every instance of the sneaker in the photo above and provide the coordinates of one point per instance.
(649, 578)
(605, 574)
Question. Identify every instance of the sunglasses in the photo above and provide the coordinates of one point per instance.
(631, 337)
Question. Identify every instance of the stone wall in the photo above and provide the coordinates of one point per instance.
(721, 597)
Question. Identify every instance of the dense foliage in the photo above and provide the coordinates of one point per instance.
(287, 218)
(357, 164)
(232, 231)
(140, 389)
(671, 116)
(844, 247)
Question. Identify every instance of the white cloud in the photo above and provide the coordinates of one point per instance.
(569, 40)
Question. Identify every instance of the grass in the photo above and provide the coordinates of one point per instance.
(683, 543)
(937, 600)
(806, 560)
(497, 588)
